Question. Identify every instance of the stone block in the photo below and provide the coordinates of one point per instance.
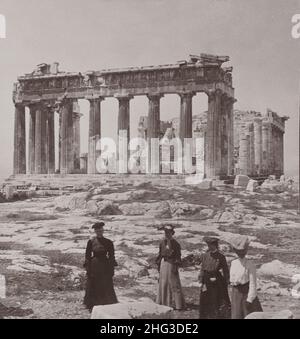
(143, 308)
(241, 180)
(286, 314)
(9, 192)
(252, 185)
(206, 184)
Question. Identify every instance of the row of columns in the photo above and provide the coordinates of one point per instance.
(261, 150)
(41, 139)
(219, 135)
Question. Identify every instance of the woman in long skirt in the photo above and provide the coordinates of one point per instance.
(169, 258)
(214, 279)
(244, 298)
(99, 264)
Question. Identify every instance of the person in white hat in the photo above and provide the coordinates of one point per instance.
(244, 298)
(169, 259)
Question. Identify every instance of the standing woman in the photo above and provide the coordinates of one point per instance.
(244, 298)
(168, 261)
(214, 280)
(99, 264)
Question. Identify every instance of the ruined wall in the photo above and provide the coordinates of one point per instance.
(258, 140)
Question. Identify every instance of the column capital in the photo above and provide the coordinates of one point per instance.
(155, 96)
(20, 105)
(266, 124)
(94, 98)
(61, 102)
(124, 97)
(34, 103)
(186, 94)
(212, 93)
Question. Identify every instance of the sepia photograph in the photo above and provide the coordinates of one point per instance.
(149, 162)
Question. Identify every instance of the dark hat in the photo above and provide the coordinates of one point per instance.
(211, 240)
(169, 228)
(98, 225)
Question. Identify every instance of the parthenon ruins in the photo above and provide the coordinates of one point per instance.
(232, 143)
(258, 139)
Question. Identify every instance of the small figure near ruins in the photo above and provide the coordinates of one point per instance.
(214, 280)
(99, 264)
(244, 298)
(168, 261)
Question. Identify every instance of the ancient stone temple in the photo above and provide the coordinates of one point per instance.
(47, 92)
(259, 143)
(258, 140)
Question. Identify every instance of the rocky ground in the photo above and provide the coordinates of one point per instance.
(42, 243)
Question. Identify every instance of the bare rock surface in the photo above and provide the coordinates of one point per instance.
(278, 268)
(43, 240)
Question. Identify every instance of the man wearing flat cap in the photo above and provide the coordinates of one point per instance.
(244, 298)
(169, 259)
(99, 264)
(213, 279)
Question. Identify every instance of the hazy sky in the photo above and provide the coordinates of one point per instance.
(97, 34)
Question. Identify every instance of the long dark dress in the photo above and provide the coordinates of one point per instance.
(169, 287)
(99, 263)
(214, 275)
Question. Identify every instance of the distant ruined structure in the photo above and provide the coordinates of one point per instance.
(258, 140)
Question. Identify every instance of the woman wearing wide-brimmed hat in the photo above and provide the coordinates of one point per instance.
(214, 279)
(99, 264)
(169, 259)
(244, 298)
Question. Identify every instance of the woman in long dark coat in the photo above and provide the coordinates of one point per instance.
(214, 280)
(169, 259)
(99, 264)
(244, 298)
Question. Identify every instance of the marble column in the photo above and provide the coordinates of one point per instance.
(19, 140)
(50, 141)
(213, 140)
(257, 125)
(281, 143)
(94, 132)
(123, 132)
(279, 152)
(67, 159)
(279, 155)
(224, 135)
(243, 153)
(59, 111)
(153, 132)
(251, 162)
(230, 136)
(76, 117)
(265, 147)
(41, 140)
(186, 116)
(271, 149)
(186, 129)
(31, 140)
